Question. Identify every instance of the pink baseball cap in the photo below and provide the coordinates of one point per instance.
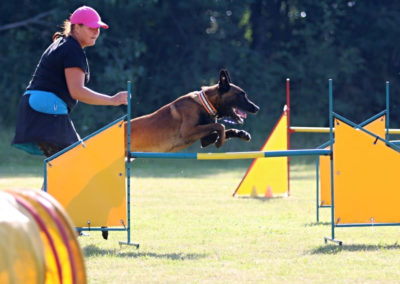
(87, 16)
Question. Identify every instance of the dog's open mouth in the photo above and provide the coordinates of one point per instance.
(236, 117)
(240, 115)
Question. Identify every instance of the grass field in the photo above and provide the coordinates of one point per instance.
(191, 229)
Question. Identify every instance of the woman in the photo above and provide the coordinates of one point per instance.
(58, 83)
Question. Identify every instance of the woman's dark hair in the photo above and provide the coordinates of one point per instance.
(67, 28)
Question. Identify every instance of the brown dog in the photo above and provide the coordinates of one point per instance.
(193, 116)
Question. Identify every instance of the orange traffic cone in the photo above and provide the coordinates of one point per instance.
(268, 193)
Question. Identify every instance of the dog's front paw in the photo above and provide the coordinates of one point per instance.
(244, 135)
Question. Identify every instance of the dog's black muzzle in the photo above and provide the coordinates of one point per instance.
(255, 109)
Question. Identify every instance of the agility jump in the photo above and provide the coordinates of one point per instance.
(354, 202)
(94, 186)
(344, 173)
(376, 125)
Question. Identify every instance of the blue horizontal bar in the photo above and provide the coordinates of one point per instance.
(164, 155)
(302, 152)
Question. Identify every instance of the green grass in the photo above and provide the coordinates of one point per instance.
(191, 230)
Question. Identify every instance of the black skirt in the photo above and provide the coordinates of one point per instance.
(35, 127)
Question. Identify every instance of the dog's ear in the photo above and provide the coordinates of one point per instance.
(224, 81)
(227, 75)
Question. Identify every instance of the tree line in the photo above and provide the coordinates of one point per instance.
(168, 48)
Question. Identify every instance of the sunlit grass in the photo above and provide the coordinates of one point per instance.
(191, 229)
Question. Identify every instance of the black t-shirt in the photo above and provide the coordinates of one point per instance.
(49, 75)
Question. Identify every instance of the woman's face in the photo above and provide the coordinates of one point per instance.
(86, 36)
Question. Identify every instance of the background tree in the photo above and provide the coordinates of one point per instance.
(167, 48)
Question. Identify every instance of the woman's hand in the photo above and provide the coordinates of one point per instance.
(120, 98)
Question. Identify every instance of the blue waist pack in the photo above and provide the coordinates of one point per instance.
(46, 102)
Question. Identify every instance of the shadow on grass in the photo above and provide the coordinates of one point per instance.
(317, 224)
(303, 177)
(334, 249)
(260, 198)
(92, 250)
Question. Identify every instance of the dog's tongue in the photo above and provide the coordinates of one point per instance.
(240, 113)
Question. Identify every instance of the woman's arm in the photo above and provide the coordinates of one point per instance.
(75, 78)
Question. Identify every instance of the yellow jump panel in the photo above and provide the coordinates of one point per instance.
(377, 127)
(268, 176)
(325, 179)
(366, 178)
(89, 180)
